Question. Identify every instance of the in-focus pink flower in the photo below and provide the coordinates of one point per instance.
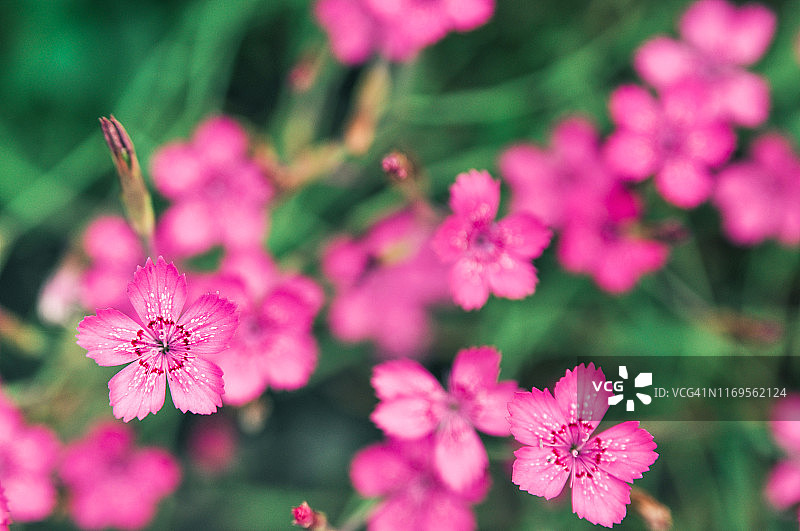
(487, 255)
(398, 29)
(112, 483)
(219, 193)
(604, 242)
(557, 429)
(28, 456)
(675, 138)
(386, 282)
(404, 475)
(758, 198)
(414, 405)
(553, 184)
(164, 345)
(783, 484)
(719, 39)
(274, 345)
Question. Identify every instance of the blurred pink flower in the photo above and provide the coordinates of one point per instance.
(404, 475)
(395, 29)
(552, 184)
(385, 284)
(274, 345)
(112, 483)
(219, 193)
(558, 433)
(719, 38)
(414, 405)
(28, 456)
(603, 242)
(169, 347)
(783, 484)
(5, 515)
(676, 138)
(212, 443)
(758, 198)
(487, 255)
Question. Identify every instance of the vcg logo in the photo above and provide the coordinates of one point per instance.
(643, 379)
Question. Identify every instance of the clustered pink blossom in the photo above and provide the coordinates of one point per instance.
(403, 473)
(396, 29)
(386, 282)
(758, 197)
(273, 345)
(28, 457)
(487, 256)
(211, 173)
(164, 345)
(112, 483)
(414, 405)
(556, 430)
(783, 484)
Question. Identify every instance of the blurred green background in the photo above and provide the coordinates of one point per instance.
(162, 66)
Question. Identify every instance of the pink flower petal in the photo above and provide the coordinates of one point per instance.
(406, 418)
(745, 98)
(624, 451)
(177, 170)
(290, 361)
(524, 235)
(536, 471)
(157, 290)
(350, 29)
(220, 140)
(107, 337)
(459, 455)
(512, 278)
(581, 396)
(400, 378)
(110, 240)
(600, 498)
(634, 108)
(138, 389)
(451, 239)
(466, 15)
(684, 183)
(474, 370)
(468, 284)
(210, 321)
(185, 229)
(488, 408)
(195, 385)
(378, 469)
(475, 196)
(785, 423)
(663, 62)
(533, 416)
(631, 155)
(783, 485)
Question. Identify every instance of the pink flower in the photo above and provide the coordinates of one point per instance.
(676, 138)
(163, 345)
(758, 198)
(111, 483)
(397, 29)
(603, 242)
(414, 405)
(719, 39)
(219, 193)
(28, 455)
(385, 284)
(558, 433)
(404, 475)
(274, 345)
(783, 485)
(552, 184)
(5, 515)
(487, 255)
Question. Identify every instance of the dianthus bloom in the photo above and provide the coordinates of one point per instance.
(397, 30)
(719, 39)
(112, 483)
(414, 405)
(783, 485)
(28, 455)
(385, 283)
(5, 516)
(487, 255)
(219, 193)
(758, 198)
(163, 345)
(557, 430)
(404, 475)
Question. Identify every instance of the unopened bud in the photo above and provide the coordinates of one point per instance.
(656, 515)
(398, 166)
(135, 196)
(308, 518)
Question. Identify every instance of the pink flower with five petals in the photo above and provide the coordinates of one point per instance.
(163, 346)
(413, 405)
(557, 429)
(487, 255)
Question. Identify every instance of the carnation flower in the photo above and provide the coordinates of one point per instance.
(557, 431)
(414, 405)
(164, 345)
(487, 255)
